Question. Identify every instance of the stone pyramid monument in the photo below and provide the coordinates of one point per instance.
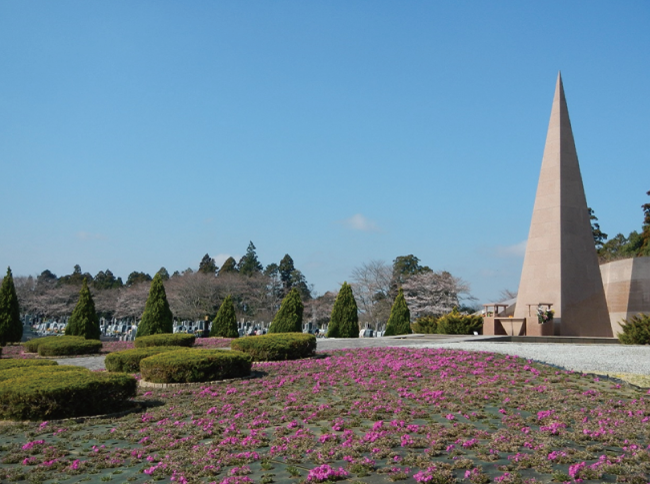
(561, 264)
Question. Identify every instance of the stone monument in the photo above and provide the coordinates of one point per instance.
(561, 265)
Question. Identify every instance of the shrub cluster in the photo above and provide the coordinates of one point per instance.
(128, 361)
(636, 330)
(32, 345)
(275, 347)
(14, 363)
(69, 345)
(52, 392)
(192, 365)
(425, 325)
(457, 323)
(165, 339)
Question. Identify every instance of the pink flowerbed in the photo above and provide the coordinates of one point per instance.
(413, 415)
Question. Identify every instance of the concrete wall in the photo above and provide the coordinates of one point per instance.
(627, 289)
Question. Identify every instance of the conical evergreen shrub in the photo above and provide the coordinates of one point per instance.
(157, 318)
(344, 321)
(289, 318)
(11, 329)
(399, 321)
(225, 322)
(84, 321)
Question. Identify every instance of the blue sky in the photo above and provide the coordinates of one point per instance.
(135, 135)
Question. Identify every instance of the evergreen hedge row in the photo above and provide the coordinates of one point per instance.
(31, 371)
(14, 363)
(70, 345)
(193, 365)
(276, 347)
(165, 339)
(128, 361)
(32, 345)
(42, 393)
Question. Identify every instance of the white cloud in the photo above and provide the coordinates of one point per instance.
(360, 223)
(516, 250)
(88, 236)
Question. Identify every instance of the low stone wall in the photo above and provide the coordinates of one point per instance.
(627, 289)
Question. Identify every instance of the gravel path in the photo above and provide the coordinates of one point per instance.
(586, 358)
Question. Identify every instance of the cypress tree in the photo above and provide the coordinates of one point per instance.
(225, 322)
(157, 317)
(399, 321)
(344, 322)
(289, 318)
(11, 329)
(84, 321)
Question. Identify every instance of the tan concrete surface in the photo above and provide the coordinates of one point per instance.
(627, 288)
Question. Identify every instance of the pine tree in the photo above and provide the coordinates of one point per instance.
(289, 318)
(229, 265)
(11, 329)
(249, 264)
(84, 321)
(344, 322)
(157, 317)
(399, 321)
(225, 322)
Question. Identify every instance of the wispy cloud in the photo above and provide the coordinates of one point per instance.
(360, 223)
(516, 250)
(88, 236)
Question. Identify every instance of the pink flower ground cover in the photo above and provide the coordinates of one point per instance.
(369, 415)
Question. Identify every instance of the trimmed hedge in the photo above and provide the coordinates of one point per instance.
(32, 345)
(14, 363)
(40, 395)
(30, 371)
(457, 323)
(128, 361)
(70, 345)
(165, 339)
(278, 346)
(192, 365)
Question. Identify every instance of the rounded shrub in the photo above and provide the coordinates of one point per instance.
(288, 319)
(128, 361)
(636, 330)
(40, 395)
(70, 345)
(192, 365)
(277, 347)
(456, 323)
(165, 339)
(29, 371)
(14, 363)
(32, 345)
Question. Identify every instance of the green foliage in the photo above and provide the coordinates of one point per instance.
(164, 275)
(31, 346)
(599, 236)
(225, 322)
(28, 371)
(70, 345)
(15, 363)
(157, 317)
(229, 266)
(277, 347)
(84, 321)
(636, 330)
(11, 329)
(344, 321)
(207, 265)
(76, 278)
(106, 280)
(165, 339)
(426, 325)
(289, 318)
(136, 278)
(399, 321)
(249, 264)
(457, 323)
(192, 365)
(128, 361)
(44, 393)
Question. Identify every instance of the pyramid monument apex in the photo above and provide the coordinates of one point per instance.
(561, 265)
